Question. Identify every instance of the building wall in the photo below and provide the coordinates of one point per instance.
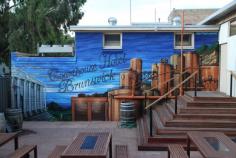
(227, 58)
(95, 70)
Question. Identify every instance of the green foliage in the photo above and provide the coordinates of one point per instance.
(60, 113)
(205, 49)
(26, 23)
(53, 106)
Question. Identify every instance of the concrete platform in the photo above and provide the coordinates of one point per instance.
(49, 134)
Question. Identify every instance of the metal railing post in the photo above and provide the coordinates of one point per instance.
(176, 103)
(231, 85)
(195, 84)
(150, 121)
(167, 89)
(145, 103)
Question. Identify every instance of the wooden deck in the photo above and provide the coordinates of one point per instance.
(213, 113)
(206, 94)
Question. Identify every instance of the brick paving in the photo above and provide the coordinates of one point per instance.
(49, 134)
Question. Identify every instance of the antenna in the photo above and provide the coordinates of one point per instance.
(155, 15)
(130, 13)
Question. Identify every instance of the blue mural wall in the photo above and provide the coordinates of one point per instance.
(95, 70)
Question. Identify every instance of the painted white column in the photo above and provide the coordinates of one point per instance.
(18, 93)
(41, 98)
(38, 98)
(25, 97)
(44, 98)
(35, 100)
(29, 99)
(12, 93)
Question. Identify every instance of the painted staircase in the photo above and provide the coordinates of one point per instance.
(208, 112)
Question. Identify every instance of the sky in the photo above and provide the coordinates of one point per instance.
(97, 12)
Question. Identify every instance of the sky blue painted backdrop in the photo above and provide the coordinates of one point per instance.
(63, 76)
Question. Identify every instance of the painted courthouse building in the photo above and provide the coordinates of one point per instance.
(226, 19)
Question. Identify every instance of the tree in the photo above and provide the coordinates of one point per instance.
(4, 29)
(31, 22)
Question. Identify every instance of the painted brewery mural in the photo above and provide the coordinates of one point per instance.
(94, 70)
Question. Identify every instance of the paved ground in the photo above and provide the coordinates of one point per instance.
(49, 134)
(44, 116)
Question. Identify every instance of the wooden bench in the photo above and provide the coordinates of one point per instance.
(57, 151)
(24, 151)
(176, 151)
(121, 151)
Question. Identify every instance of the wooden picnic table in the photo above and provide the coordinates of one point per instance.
(6, 137)
(211, 144)
(90, 145)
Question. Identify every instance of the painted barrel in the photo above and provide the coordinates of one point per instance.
(164, 74)
(210, 77)
(124, 79)
(127, 114)
(178, 67)
(136, 65)
(130, 80)
(114, 104)
(191, 64)
(2, 123)
(191, 61)
(155, 73)
(174, 60)
(15, 119)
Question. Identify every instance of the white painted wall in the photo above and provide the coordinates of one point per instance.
(224, 75)
(227, 59)
(231, 53)
(224, 33)
(55, 49)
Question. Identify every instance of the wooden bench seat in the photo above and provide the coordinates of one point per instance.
(121, 151)
(57, 151)
(176, 151)
(24, 151)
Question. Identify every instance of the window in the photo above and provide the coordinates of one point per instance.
(112, 41)
(188, 41)
(233, 27)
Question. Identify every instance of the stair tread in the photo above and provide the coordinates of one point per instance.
(210, 108)
(191, 114)
(203, 121)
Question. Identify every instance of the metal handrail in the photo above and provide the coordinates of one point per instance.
(233, 73)
(172, 90)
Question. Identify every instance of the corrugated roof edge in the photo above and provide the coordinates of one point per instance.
(148, 28)
(219, 13)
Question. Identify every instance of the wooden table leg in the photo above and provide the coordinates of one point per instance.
(110, 148)
(16, 142)
(188, 147)
(35, 152)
